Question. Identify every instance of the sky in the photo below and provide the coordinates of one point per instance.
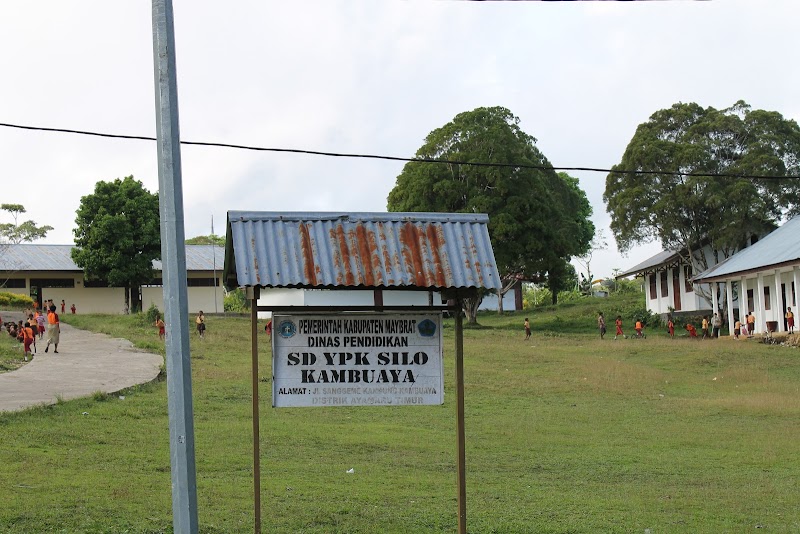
(359, 76)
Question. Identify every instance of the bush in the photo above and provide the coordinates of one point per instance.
(15, 301)
(236, 302)
(153, 313)
(638, 312)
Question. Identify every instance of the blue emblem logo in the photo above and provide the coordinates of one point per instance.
(287, 329)
(427, 328)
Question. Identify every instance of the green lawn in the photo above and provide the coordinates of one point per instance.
(565, 433)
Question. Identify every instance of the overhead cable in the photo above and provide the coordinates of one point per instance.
(398, 158)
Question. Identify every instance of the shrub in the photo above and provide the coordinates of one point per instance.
(153, 313)
(236, 302)
(15, 301)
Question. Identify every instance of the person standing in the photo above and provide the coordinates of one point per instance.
(40, 324)
(716, 323)
(618, 324)
(28, 339)
(527, 325)
(53, 329)
(601, 325)
(705, 327)
(671, 327)
(162, 327)
(200, 321)
(73, 309)
(789, 320)
(63, 307)
(751, 324)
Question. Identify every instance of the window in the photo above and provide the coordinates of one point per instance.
(52, 282)
(15, 283)
(687, 278)
(653, 287)
(767, 300)
(200, 282)
(95, 283)
(664, 284)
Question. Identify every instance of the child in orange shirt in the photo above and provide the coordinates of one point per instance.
(639, 329)
(162, 328)
(692, 331)
(618, 324)
(28, 339)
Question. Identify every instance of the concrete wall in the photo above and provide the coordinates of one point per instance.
(490, 302)
(88, 299)
(112, 299)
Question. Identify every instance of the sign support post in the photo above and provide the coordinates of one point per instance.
(252, 295)
(461, 467)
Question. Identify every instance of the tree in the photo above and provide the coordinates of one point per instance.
(17, 232)
(577, 232)
(585, 260)
(211, 239)
(561, 277)
(118, 234)
(531, 210)
(689, 210)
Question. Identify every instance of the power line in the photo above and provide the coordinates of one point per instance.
(397, 158)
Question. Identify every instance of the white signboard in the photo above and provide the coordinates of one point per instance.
(357, 360)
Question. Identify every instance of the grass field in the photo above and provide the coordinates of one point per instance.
(565, 433)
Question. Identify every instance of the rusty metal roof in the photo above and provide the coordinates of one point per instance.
(359, 250)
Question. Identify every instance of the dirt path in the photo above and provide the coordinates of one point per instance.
(86, 363)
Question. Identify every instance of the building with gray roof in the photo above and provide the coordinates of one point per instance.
(48, 272)
(767, 273)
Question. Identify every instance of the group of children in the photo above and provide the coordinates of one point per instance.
(199, 321)
(638, 328)
(747, 328)
(26, 331)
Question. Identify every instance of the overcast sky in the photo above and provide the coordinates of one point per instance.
(361, 77)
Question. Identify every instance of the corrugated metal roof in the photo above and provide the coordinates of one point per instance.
(780, 247)
(665, 256)
(201, 258)
(35, 257)
(31, 257)
(328, 250)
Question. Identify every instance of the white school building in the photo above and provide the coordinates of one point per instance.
(47, 272)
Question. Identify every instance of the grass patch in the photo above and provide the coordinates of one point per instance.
(565, 433)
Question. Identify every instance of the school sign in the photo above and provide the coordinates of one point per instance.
(355, 359)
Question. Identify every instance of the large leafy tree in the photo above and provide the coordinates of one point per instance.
(682, 204)
(534, 213)
(20, 232)
(575, 234)
(117, 236)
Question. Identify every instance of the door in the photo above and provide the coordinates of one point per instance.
(676, 288)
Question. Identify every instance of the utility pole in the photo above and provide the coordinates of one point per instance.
(173, 259)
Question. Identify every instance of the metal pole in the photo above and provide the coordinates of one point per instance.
(252, 294)
(462, 462)
(173, 255)
(214, 252)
